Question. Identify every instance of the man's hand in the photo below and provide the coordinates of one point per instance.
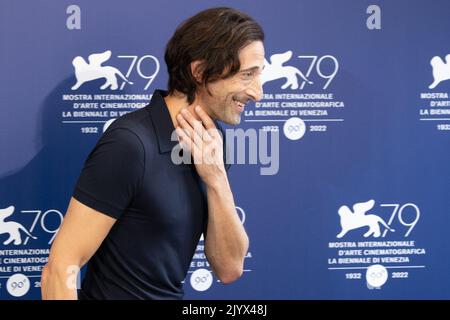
(226, 242)
(205, 143)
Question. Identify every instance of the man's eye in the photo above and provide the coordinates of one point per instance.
(247, 74)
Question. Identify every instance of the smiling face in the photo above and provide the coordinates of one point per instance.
(228, 97)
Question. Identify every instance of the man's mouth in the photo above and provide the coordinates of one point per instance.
(239, 105)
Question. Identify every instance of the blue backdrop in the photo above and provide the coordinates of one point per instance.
(358, 91)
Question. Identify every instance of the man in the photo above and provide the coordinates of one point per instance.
(136, 215)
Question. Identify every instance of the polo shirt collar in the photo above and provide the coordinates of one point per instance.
(162, 122)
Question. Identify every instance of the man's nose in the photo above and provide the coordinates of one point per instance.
(255, 90)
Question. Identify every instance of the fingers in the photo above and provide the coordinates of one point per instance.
(207, 122)
(186, 142)
(195, 138)
(183, 137)
(194, 127)
(191, 137)
(201, 154)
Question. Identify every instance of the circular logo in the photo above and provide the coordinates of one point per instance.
(241, 214)
(108, 123)
(376, 275)
(294, 128)
(18, 285)
(201, 279)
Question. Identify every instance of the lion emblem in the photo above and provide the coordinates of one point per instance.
(358, 219)
(11, 228)
(275, 70)
(441, 70)
(94, 70)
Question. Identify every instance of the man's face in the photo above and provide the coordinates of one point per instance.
(229, 96)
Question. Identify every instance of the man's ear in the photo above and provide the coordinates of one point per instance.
(197, 70)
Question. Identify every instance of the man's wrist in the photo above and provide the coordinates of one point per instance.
(217, 181)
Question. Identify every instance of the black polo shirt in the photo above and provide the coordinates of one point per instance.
(160, 207)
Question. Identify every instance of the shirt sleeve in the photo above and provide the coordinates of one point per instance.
(112, 173)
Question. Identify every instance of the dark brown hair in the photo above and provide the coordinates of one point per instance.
(213, 36)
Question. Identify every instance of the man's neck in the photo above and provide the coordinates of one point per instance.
(177, 102)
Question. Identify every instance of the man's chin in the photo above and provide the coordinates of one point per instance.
(231, 122)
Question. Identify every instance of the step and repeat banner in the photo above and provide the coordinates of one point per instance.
(354, 201)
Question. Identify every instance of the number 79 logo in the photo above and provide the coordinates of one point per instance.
(276, 70)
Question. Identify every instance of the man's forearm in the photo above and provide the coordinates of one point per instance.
(58, 284)
(226, 242)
